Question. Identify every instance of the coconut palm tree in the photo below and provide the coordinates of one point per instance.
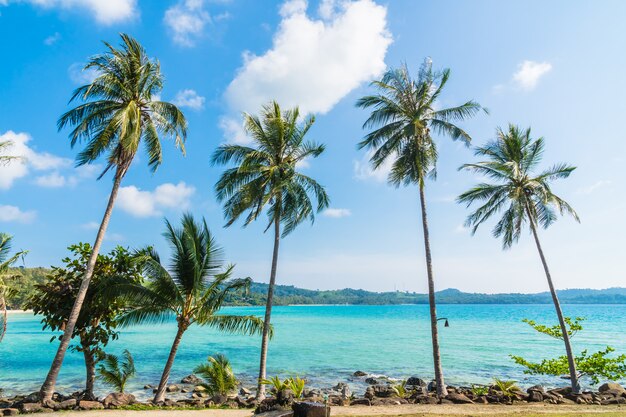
(5, 263)
(116, 372)
(524, 196)
(192, 288)
(405, 116)
(120, 112)
(266, 178)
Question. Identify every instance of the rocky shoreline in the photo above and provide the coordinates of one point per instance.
(381, 391)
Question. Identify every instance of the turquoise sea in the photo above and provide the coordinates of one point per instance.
(326, 344)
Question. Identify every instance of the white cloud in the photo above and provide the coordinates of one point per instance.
(187, 20)
(52, 180)
(314, 63)
(529, 73)
(593, 187)
(90, 226)
(189, 98)
(52, 39)
(364, 171)
(79, 76)
(105, 12)
(337, 212)
(141, 203)
(14, 214)
(233, 130)
(39, 161)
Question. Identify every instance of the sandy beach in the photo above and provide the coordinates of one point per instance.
(404, 410)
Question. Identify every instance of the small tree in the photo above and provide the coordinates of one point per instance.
(115, 372)
(97, 323)
(593, 365)
(218, 375)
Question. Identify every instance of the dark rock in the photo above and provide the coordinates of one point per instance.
(459, 398)
(310, 409)
(536, 388)
(184, 390)
(148, 387)
(191, 379)
(65, 405)
(90, 405)
(371, 381)
(172, 388)
(614, 401)
(276, 413)
(432, 386)
(284, 397)
(10, 411)
(344, 390)
(219, 399)
(415, 381)
(535, 396)
(428, 400)
(445, 401)
(361, 401)
(169, 403)
(359, 374)
(610, 386)
(245, 391)
(118, 399)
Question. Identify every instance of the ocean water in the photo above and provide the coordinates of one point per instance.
(326, 344)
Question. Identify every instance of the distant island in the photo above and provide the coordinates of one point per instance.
(25, 279)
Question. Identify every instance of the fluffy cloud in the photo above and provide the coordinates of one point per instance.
(314, 62)
(364, 171)
(79, 76)
(141, 203)
(14, 214)
(529, 73)
(189, 98)
(337, 212)
(186, 20)
(104, 11)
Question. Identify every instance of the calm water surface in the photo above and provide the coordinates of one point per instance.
(328, 343)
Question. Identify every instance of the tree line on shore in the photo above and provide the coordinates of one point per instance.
(119, 111)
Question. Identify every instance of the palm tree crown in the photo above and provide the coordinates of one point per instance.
(266, 173)
(523, 195)
(120, 110)
(405, 115)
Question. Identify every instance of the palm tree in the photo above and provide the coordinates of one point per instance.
(404, 117)
(193, 288)
(115, 372)
(267, 177)
(5, 263)
(118, 114)
(5, 146)
(218, 375)
(525, 197)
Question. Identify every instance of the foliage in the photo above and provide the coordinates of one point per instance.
(507, 388)
(594, 366)
(22, 284)
(115, 372)
(480, 390)
(121, 109)
(266, 173)
(6, 260)
(405, 114)
(573, 327)
(296, 385)
(277, 385)
(5, 159)
(511, 160)
(218, 375)
(400, 389)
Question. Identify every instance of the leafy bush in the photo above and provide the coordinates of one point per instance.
(277, 385)
(296, 385)
(507, 388)
(218, 375)
(480, 390)
(115, 372)
(400, 389)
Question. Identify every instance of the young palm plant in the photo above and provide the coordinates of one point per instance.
(404, 117)
(218, 375)
(119, 113)
(115, 372)
(525, 197)
(6, 261)
(266, 178)
(192, 288)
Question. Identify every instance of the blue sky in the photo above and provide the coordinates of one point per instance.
(556, 66)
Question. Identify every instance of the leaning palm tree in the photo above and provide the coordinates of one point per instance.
(404, 117)
(5, 292)
(525, 197)
(192, 288)
(266, 177)
(119, 113)
(115, 372)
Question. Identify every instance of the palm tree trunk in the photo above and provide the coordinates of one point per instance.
(47, 389)
(3, 314)
(557, 305)
(441, 387)
(160, 394)
(260, 394)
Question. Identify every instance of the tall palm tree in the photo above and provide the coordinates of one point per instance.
(5, 263)
(525, 197)
(118, 114)
(193, 288)
(266, 177)
(404, 117)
